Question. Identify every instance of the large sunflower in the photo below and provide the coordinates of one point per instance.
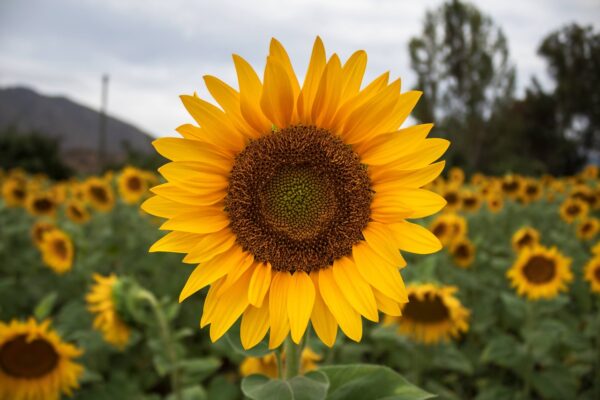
(132, 185)
(35, 363)
(540, 272)
(294, 198)
(57, 251)
(101, 302)
(592, 273)
(432, 315)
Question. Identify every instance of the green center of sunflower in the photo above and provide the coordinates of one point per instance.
(539, 270)
(21, 358)
(428, 310)
(298, 198)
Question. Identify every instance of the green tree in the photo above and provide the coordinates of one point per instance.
(462, 64)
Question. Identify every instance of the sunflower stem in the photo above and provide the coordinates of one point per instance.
(165, 333)
(293, 354)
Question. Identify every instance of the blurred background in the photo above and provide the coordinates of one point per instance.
(516, 88)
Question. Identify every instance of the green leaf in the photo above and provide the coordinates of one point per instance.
(504, 350)
(198, 369)
(222, 389)
(363, 381)
(44, 307)
(450, 358)
(555, 383)
(195, 392)
(312, 386)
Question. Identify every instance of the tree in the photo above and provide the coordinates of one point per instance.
(462, 64)
(573, 57)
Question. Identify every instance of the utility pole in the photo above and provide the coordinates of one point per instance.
(102, 125)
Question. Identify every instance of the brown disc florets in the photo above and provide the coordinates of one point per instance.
(429, 309)
(298, 198)
(24, 358)
(539, 270)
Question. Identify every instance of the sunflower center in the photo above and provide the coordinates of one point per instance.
(99, 194)
(539, 270)
(573, 209)
(21, 358)
(470, 201)
(428, 310)
(18, 193)
(439, 230)
(531, 190)
(60, 248)
(510, 187)
(76, 211)
(298, 199)
(526, 240)
(597, 273)
(134, 183)
(451, 198)
(462, 251)
(43, 204)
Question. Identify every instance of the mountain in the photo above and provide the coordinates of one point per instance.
(74, 125)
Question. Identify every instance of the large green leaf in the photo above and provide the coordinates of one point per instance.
(312, 386)
(362, 381)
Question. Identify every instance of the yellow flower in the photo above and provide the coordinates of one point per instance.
(585, 194)
(463, 252)
(35, 364)
(540, 272)
(448, 228)
(471, 201)
(132, 185)
(294, 199)
(39, 230)
(511, 186)
(456, 175)
(572, 209)
(525, 237)
(267, 365)
(99, 193)
(495, 202)
(452, 196)
(432, 315)
(532, 191)
(40, 204)
(14, 191)
(596, 249)
(588, 228)
(592, 273)
(57, 251)
(101, 302)
(77, 212)
(590, 172)
(478, 179)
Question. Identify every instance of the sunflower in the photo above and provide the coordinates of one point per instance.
(449, 228)
(40, 204)
(588, 228)
(478, 179)
(590, 172)
(495, 202)
(592, 273)
(585, 194)
(572, 209)
(511, 186)
(463, 252)
(35, 363)
(540, 272)
(596, 249)
(456, 176)
(39, 231)
(532, 191)
(267, 365)
(132, 185)
(57, 251)
(77, 212)
(294, 199)
(101, 302)
(99, 193)
(433, 314)
(525, 237)
(471, 201)
(14, 191)
(453, 198)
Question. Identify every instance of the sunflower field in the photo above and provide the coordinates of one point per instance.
(281, 237)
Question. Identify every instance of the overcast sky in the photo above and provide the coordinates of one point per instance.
(155, 50)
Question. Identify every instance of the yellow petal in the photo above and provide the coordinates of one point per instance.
(414, 238)
(311, 81)
(277, 101)
(229, 308)
(300, 301)
(210, 245)
(348, 319)
(210, 303)
(353, 72)
(404, 106)
(329, 93)
(259, 284)
(421, 201)
(386, 305)
(210, 271)
(424, 154)
(216, 127)
(250, 93)
(238, 271)
(278, 313)
(277, 51)
(321, 318)
(165, 208)
(254, 326)
(381, 240)
(204, 221)
(390, 180)
(378, 272)
(389, 209)
(181, 195)
(176, 242)
(388, 147)
(356, 290)
(195, 176)
(178, 149)
(192, 132)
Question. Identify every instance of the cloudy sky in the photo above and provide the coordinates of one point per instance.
(155, 50)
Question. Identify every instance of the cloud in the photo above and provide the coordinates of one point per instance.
(155, 50)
